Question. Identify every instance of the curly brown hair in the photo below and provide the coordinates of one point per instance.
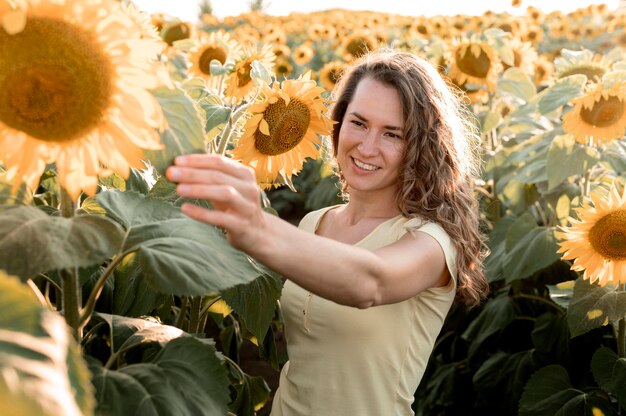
(441, 158)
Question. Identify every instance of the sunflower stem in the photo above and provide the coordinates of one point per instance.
(71, 301)
(621, 338)
(229, 129)
(194, 314)
(67, 205)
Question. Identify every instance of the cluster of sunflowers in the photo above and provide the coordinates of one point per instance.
(78, 81)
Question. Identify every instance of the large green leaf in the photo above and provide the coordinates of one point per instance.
(561, 92)
(216, 113)
(530, 253)
(517, 83)
(567, 158)
(41, 369)
(615, 154)
(255, 302)
(186, 378)
(609, 370)
(593, 306)
(131, 296)
(122, 328)
(551, 335)
(176, 254)
(495, 316)
(185, 128)
(549, 392)
(33, 242)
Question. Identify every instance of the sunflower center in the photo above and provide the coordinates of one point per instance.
(476, 66)
(179, 31)
(287, 124)
(55, 79)
(603, 113)
(243, 74)
(608, 235)
(358, 47)
(208, 55)
(590, 72)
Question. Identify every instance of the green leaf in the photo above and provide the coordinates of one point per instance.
(497, 248)
(122, 328)
(561, 92)
(216, 113)
(615, 154)
(531, 253)
(33, 242)
(131, 296)
(41, 369)
(185, 379)
(567, 158)
(260, 74)
(609, 370)
(551, 335)
(255, 302)
(176, 254)
(593, 306)
(517, 83)
(490, 121)
(549, 392)
(185, 131)
(495, 316)
(522, 226)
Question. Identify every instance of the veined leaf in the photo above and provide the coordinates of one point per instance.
(186, 378)
(176, 254)
(532, 252)
(561, 92)
(185, 131)
(33, 242)
(549, 392)
(609, 370)
(593, 306)
(255, 302)
(567, 158)
(216, 113)
(517, 83)
(495, 316)
(41, 369)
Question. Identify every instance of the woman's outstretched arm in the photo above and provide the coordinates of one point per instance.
(336, 271)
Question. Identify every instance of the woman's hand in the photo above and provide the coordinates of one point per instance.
(231, 189)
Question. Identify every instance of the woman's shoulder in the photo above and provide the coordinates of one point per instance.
(311, 220)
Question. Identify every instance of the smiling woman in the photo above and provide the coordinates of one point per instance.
(370, 281)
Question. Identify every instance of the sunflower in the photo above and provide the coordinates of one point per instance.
(330, 74)
(543, 69)
(74, 84)
(475, 62)
(283, 67)
(584, 62)
(282, 130)
(357, 45)
(177, 30)
(597, 240)
(599, 114)
(239, 84)
(524, 56)
(303, 54)
(217, 45)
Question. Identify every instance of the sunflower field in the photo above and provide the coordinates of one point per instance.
(112, 302)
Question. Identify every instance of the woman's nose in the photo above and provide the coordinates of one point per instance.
(369, 144)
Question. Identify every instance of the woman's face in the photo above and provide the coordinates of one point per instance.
(371, 143)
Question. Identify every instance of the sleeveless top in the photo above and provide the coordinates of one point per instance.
(347, 361)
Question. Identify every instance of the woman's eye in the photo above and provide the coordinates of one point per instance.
(357, 123)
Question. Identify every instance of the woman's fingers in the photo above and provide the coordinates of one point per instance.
(217, 163)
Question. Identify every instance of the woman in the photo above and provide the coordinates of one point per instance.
(369, 282)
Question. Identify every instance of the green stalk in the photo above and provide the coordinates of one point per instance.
(194, 314)
(229, 129)
(97, 289)
(621, 338)
(182, 313)
(69, 277)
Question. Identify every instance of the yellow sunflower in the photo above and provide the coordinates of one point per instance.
(542, 71)
(239, 84)
(475, 62)
(303, 54)
(177, 30)
(357, 45)
(599, 114)
(597, 240)
(282, 130)
(524, 56)
(283, 67)
(330, 74)
(217, 45)
(584, 62)
(74, 85)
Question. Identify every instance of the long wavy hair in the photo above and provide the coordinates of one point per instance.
(441, 158)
